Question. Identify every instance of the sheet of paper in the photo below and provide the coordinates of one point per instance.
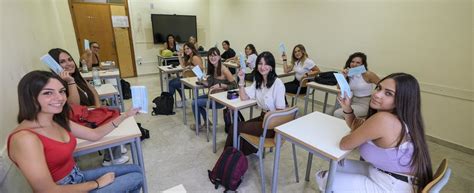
(243, 65)
(177, 189)
(357, 70)
(177, 47)
(282, 48)
(343, 85)
(86, 44)
(140, 98)
(52, 64)
(198, 72)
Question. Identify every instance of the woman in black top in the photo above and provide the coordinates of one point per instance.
(229, 53)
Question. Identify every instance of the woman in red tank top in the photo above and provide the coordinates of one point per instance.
(43, 143)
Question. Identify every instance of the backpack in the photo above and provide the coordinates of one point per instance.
(126, 92)
(91, 118)
(326, 78)
(164, 104)
(228, 119)
(145, 132)
(229, 169)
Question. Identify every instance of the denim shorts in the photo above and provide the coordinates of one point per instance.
(74, 177)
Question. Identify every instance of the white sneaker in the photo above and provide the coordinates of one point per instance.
(121, 160)
(123, 149)
(179, 104)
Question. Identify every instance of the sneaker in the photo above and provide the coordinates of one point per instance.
(179, 104)
(321, 179)
(193, 127)
(123, 149)
(121, 160)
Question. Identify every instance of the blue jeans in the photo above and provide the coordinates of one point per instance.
(201, 103)
(175, 85)
(128, 178)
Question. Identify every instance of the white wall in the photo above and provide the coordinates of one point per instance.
(140, 12)
(29, 29)
(431, 39)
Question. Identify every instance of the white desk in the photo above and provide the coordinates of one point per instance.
(231, 64)
(235, 105)
(165, 59)
(191, 83)
(168, 70)
(106, 91)
(325, 88)
(107, 74)
(126, 132)
(281, 73)
(317, 133)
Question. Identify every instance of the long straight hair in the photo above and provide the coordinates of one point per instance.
(408, 111)
(29, 88)
(80, 82)
(188, 59)
(168, 43)
(272, 76)
(210, 67)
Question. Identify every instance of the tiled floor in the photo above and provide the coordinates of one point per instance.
(175, 155)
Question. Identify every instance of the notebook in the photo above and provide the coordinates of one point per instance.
(343, 85)
(357, 70)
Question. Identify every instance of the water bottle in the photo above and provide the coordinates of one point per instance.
(84, 66)
(95, 76)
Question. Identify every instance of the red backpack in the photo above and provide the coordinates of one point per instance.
(92, 118)
(229, 169)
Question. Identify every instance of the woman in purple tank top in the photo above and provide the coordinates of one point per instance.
(391, 141)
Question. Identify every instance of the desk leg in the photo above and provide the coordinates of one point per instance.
(331, 174)
(276, 163)
(306, 101)
(325, 102)
(182, 101)
(195, 96)
(134, 153)
(119, 87)
(214, 119)
(251, 112)
(308, 166)
(161, 79)
(312, 100)
(236, 137)
(141, 163)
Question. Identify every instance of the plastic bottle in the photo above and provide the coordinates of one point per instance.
(96, 77)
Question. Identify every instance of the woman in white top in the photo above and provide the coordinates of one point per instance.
(269, 92)
(251, 54)
(361, 85)
(303, 67)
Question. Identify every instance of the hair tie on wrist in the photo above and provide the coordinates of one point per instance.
(347, 113)
(97, 184)
(115, 126)
(71, 83)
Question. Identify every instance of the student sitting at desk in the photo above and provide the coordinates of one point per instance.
(91, 57)
(188, 58)
(391, 141)
(82, 93)
(220, 79)
(170, 44)
(193, 40)
(360, 84)
(251, 54)
(269, 92)
(42, 145)
(229, 53)
(302, 65)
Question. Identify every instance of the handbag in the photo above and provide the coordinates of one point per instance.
(92, 118)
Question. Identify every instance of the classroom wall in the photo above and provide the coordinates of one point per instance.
(140, 16)
(431, 39)
(29, 29)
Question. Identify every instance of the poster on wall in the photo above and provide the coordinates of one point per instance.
(120, 21)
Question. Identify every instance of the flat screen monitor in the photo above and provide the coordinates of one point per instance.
(181, 26)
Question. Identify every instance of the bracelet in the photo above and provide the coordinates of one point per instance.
(284, 60)
(115, 126)
(97, 184)
(71, 83)
(347, 113)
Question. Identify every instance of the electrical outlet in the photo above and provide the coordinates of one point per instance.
(139, 60)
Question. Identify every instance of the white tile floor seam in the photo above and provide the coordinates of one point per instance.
(174, 155)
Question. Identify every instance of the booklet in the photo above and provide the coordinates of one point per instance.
(52, 64)
(140, 98)
(343, 85)
(198, 72)
(282, 48)
(357, 70)
(86, 44)
(243, 65)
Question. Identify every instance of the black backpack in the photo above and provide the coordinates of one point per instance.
(228, 119)
(229, 169)
(126, 92)
(164, 104)
(326, 78)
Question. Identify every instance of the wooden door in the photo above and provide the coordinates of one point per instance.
(93, 22)
(126, 58)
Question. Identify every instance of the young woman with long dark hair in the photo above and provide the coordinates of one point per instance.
(269, 92)
(391, 140)
(43, 143)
